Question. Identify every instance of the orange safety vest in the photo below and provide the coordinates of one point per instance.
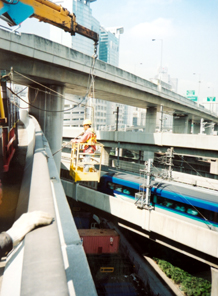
(92, 140)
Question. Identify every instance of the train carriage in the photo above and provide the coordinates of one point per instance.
(192, 204)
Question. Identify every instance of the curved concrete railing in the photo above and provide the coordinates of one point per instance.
(51, 259)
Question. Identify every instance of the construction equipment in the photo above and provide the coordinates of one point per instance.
(78, 162)
(9, 115)
(15, 12)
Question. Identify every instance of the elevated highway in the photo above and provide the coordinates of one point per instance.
(200, 145)
(54, 64)
(51, 70)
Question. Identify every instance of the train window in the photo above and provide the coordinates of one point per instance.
(154, 198)
(180, 208)
(126, 191)
(215, 218)
(168, 204)
(192, 212)
(118, 187)
(209, 215)
(110, 185)
(130, 191)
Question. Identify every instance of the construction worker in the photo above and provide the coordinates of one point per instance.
(88, 137)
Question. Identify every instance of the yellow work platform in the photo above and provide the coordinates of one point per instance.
(82, 169)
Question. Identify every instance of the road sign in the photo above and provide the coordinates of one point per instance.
(193, 98)
(190, 92)
(211, 99)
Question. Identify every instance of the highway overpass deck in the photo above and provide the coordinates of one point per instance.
(199, 145)
(50, 63)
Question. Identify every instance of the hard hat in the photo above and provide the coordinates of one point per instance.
(87, 121)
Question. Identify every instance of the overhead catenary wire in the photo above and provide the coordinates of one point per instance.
(198, 174)
(182, 195)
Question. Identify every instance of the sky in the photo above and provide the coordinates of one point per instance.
(189, 33)
(186, 29)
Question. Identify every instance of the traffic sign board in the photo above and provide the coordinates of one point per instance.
(193, 98)
(190, 93)
(211, 99)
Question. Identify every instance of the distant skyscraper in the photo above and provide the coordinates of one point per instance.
(108, 52)
(83, 12)
(109, 45)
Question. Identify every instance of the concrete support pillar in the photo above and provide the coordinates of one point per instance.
(181, 124)
(214, 275)
(44, 107)
(140, 156)
(216, 127)
(196, 128)
(147, 155)
(209, 128)
(214, 167)
(106, 156)
(151, 118)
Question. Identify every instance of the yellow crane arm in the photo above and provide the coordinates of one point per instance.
(16, 11)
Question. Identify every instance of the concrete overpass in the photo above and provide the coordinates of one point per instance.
(64, 70)
(51, 63)
(201, 145)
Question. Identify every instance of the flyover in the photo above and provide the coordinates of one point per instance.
(54, 64)
(37, 60)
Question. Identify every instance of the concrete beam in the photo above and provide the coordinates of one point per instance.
(51, 63)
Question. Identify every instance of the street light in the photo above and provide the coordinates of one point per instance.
(199, 84)
(161, 58)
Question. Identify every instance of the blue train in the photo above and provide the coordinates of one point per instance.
(193, 204)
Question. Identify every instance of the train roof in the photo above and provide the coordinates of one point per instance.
(159, 185)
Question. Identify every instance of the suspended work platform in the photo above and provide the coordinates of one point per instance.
(85, 166)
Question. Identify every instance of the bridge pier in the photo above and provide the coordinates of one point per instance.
(44, 107)
(106, 156)
(209, 128)
(151, 118)
(147, 155)
(181, 124)
(214, 274)
(195, 127)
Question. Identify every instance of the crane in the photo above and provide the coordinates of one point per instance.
(15, 12)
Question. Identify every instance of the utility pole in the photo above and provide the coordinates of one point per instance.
(169, 162)
(117, 112)
(118, 148)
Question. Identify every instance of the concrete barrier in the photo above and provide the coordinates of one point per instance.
(50, 260)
